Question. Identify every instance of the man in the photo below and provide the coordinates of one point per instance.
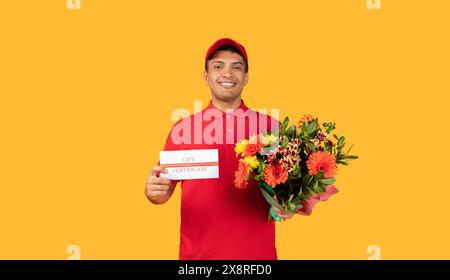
(219, 221)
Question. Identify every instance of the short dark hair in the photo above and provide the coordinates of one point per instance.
(229, 48)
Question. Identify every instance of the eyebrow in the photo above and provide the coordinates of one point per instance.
(219, 61)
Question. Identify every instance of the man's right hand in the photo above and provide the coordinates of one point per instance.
(158, 190)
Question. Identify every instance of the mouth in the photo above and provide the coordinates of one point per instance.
(227, 85)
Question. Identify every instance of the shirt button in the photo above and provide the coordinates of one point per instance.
(228, 116)
(229, 130)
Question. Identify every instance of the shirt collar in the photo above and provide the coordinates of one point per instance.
(242, 107)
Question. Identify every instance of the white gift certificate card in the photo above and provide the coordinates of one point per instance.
(190, 164)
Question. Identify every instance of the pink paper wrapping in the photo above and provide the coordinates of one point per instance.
(309, 204)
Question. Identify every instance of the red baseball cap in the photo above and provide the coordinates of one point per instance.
(226, 42)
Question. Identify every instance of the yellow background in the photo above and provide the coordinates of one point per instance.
(86, 99)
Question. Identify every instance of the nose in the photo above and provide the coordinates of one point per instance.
(226, 72)
(226, 75)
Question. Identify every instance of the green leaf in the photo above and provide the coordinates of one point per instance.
(319, 175)
(310, 190)
(328, 181)
(304, 127)
(306, 179)
(320, 189)
(341, 141)
(316, 184)
(261, 167)
(352, 157)
(285, 142)
(349, 149)
(330, 127)
(290, 199)
(292, 207)
(296, 171)
(303, 196)
(291, 132)
(258, 177)
(310, 146)
(285, 123)
(312, 126)
(267, 188)
(270, 199)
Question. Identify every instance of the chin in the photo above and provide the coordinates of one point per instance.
(228, 96)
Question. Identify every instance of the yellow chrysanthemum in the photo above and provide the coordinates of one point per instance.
(252, 162)
(254, 138)
(240, 147)
(269, 139)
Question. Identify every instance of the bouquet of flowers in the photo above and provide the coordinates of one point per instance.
(294, 169)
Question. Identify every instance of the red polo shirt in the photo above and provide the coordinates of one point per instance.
(219, 221)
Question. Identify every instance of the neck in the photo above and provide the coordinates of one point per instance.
(226, 105)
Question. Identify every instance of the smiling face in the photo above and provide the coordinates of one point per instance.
(226, 76)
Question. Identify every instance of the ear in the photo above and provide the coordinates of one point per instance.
(246, 79)
(205, 77)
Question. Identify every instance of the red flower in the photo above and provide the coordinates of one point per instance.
(275, 174)
(322, 161)
(240, 176)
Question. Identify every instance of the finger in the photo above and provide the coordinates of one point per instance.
(164, 181)
(156, 193)
(159, 181)
(158, 187)
(156, 174)
(157, 170)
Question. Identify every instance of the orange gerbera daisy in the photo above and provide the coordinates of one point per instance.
(275, 174)
(253, 148)
(305, 118)
(322, 161)
(240, 176)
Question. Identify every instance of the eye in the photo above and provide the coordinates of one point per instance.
(217, 66)
(237, 67)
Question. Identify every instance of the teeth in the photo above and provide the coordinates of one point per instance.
(227, 84)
